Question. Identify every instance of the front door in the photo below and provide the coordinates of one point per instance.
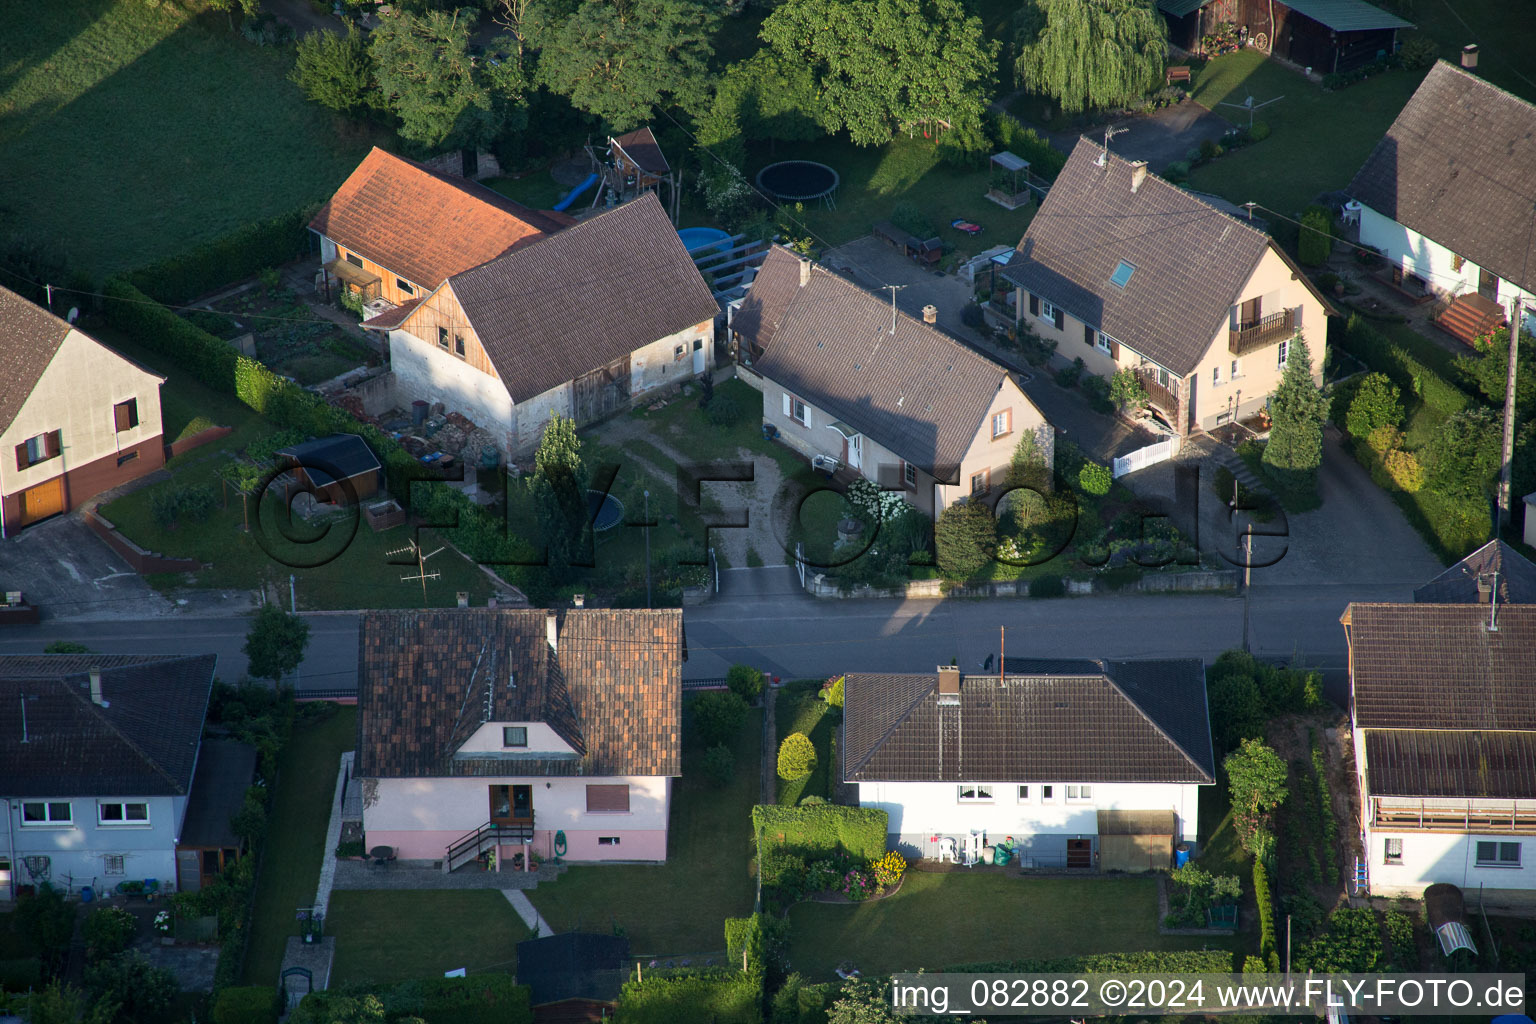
(1487, 285)
(42, 501)
(856, 451)
(511, 805)
(698, 355)
(1079, 853)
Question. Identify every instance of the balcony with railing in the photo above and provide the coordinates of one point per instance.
(1163, 396)
(1254, 334)
(1483, 816)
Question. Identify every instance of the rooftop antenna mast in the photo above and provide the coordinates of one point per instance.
(421, 566)
(894, 289)
(1250, 106)
(1109, 133)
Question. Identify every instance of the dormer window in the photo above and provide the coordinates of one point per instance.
(514, 736)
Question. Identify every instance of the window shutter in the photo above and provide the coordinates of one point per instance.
(786, 406)
(21, 456)
(1299, 310)
(1034, 304)
(608, 799)
(1088, 336)
(1060, 320)
(55, 442)
(1114, 351)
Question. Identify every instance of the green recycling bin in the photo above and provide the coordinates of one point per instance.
(559, 845)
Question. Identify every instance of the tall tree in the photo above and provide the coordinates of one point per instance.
(1091, 53)
(622, 59)
(769, 97)
(1298, 408)
(336, 71)
(275, 645)
(559, 490)
(444, 97)
(1465, 454)
(881, 66)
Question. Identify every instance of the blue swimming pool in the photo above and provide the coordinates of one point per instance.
(699, 240)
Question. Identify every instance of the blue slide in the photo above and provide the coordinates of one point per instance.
(578, 190)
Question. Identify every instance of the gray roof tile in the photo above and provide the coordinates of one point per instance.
(1458, 584)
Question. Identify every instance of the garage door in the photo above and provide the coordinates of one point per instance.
(42, 501)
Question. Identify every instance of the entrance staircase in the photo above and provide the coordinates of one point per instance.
(487, 837)
(1471, 316)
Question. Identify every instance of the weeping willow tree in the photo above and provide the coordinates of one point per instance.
(1091, 53)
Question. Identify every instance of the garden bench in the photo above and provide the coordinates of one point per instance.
(1179, 73)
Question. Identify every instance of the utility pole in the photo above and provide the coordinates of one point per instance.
(1509, 417)
(894, 289)
(293, 597)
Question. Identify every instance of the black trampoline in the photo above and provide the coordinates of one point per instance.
(800, 181)
(606, 510)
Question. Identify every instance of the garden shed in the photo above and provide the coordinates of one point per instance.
(1136, 840)
(1008, 182)
(574, 976)
(225, 769)
(340, 469)
(1325, 36)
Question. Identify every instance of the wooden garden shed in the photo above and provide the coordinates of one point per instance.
(340, 469)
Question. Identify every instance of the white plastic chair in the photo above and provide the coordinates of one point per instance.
(947, 850)
(972, 849)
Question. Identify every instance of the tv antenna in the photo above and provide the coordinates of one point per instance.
(1109, 133)
(1250, 106)
(421, 566)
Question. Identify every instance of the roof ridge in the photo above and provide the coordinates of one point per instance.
(1173, 189)
(1467, 75)
(573, 231)
(1108, 666)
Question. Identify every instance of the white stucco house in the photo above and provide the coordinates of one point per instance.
(1443, 195)
(1443, 712)
(1083, 764)
(103, 773)
(579, 323)
(517, 729)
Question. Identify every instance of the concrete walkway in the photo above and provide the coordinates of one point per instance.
(333, 836)
(528, 912)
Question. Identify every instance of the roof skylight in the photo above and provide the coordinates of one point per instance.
(1122, 275)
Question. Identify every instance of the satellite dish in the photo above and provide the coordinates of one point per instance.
(73, 314)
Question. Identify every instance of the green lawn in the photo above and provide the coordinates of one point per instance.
(801, 709)
(940, 919)
(1318, 141)
(536, 189)
(301, 810)
(1220, 852)
(130, 131)
(394, 936)
(678, 908)
(1503, 31)
(684, 426)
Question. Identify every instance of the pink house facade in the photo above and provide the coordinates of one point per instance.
(520, 729)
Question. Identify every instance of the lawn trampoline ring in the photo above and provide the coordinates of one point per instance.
(605, 511)
(799, 181)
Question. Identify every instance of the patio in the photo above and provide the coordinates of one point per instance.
(427, 874)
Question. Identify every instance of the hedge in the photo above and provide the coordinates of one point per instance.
(210, 360)
(20, 974)
(1377, 351)
(482, 999)
(238, 255)
(763, 939)
(256, 1004)
(1192, 961)
(820, 829)
(1261, 894)
(719, 996)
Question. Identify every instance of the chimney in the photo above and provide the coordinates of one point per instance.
(552, 630)
(463, 599)
(1469, 56)
(578, 600)
(1138, 174)
(96, 697)
(805, 273)
(930, 314)
(949, 684)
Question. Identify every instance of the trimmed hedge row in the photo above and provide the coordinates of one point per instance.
(823, 829)
(761, 937)
(257, 1004)
(482, 999)
(240, 254)
(718, 996)
(1268, 949)
(1193, 961)
(1377, 351)
(134, 313)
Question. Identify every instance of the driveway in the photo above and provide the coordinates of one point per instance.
(69, 572)
(1160, 138)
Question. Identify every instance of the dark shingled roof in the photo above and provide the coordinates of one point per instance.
(1339, 15)
(344, 455)
(1440, 763)
(592, 294)
(1191, 259)
(613, 693)
(573, 965)
(640, 146)
(1456, 166)
(1143, 721)
(1436, 666)
(143, 743)
(1458, 584)
(919, 393)
(225, 769)
(30, 336)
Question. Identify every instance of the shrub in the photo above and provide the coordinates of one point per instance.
(256, 1004)
(718, 717)
(1419, 53)
(1126, 389)
(723, 411)
(1260, 131)
(832, 692)
(1376, 403)
(1095, 479)
(972, 316)
(857, 886)
(1193, 961)
(797, 757)
(142, 991)
(1266, 904)
(821, 875)
(1068, 376)
(1464, 455)
(720, 765)
(108, 931)
(21, 974)
(821, 829)
(1177, 171)
(1384, 438)
(712, 996)
(965, 536)
(1209, 150)
(1316, 239)
(763, 939)
(351, 848)
(888, 869)
(1047, 586)
(1371, 347)
(1405, 951)
(745, 681)
(1405, 470)
(1097, 390)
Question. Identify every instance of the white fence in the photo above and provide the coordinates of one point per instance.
(1151, 455)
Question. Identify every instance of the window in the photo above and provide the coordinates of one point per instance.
(123, 460)
(1394, 852)
(981, 481)
(112, 864)
(404, 286)
(607, 840)
(39, 449)
(1047, 792)
(1235, 373)
(1047, 311)
(608, 799)
(909, 474)
(352, 258)
(678, 352)
(514, 735)
(969, 792)
(1107, 344)
(458, 345)
(1122, 275)
(122, 814)
(125, 415)
(795, 410)
(1002, 423)
(1079, 792)
(41, 813)
(1285, 348)
(1023, 794)
(1215, 375)
(442, 337)
(1498, 855)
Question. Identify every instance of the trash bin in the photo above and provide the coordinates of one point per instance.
(1181, 855)
(87, 894)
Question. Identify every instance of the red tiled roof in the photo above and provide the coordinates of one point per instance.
(425, 226)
